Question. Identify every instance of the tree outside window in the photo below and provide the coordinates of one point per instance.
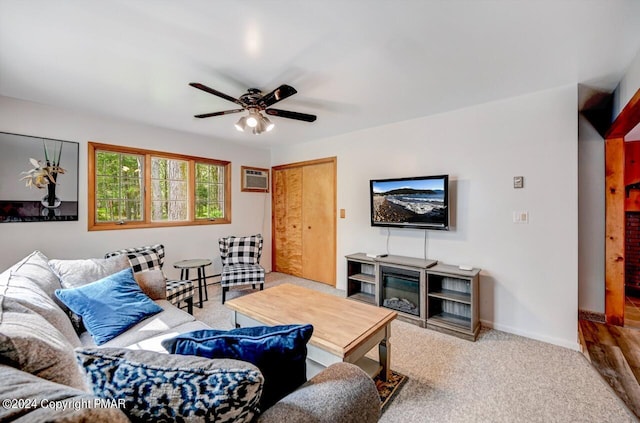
(210, 198)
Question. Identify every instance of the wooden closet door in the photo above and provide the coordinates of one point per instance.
(304, 219)
(287, 221)
(319, 222)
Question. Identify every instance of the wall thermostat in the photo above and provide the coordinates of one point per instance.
(518, 181)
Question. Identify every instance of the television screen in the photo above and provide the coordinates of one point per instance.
(420, 202)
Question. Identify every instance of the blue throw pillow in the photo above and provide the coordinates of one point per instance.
(109, 306)
(279, 352)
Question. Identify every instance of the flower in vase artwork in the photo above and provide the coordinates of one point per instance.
(44, 175)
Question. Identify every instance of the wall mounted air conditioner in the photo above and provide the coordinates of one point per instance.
(254, 179)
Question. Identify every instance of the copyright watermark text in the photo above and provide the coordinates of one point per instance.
(69, 404)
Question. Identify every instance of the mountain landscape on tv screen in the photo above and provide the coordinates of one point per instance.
(409, 205)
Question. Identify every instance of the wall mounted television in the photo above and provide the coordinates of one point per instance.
(419, 202)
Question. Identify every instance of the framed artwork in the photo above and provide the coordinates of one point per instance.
(38, 179)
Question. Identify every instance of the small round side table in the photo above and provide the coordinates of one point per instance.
(199, 264)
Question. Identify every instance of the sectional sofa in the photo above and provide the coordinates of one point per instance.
(46, 362)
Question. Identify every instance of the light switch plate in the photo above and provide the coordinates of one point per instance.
(521, 216)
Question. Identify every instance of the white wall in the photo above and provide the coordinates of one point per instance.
(529, 282)
(628, 86)
(250, 211)
(591, 217)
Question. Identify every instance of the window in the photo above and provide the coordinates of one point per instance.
(119, 182)
(134, 188)
(210, 198)
(169, 190)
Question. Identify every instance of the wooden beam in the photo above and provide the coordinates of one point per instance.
(632, 162)
(615, 203)
(614, 231)
(627, 119)
(632, 175)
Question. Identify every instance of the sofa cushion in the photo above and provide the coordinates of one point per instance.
(279, 352)
(110, 305)
(29, 342)
(36, 269)
(76, 273)
(45, 401)
(164, 387)
(21, 285)
(154, 343)
(164, 322)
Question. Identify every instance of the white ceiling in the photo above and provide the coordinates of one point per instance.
(355, 63)
(634, 134)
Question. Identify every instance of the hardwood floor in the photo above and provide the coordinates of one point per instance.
(615, 352)
(632, 312)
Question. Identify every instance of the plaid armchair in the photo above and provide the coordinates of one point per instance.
(152, 257)
(240, 262)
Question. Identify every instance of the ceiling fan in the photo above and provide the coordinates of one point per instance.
(255, 102)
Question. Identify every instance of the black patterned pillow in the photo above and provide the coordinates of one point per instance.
(242, 250)
(167, 387)
(144, 260)
(156, 248)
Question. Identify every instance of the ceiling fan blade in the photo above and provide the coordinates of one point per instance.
(280, 93)
(225, 112)
(215, 92)
(291, 115)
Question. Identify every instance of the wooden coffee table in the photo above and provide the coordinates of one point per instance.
(343, 330)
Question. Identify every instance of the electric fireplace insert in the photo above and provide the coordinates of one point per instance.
(401, 289)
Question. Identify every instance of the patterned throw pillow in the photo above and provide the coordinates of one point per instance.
(156, 248)
(164, 387)
(144, 260)
(241, 250)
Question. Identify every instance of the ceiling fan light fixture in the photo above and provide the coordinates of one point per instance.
(254, 119)
(241, 125)
(268, 125)
(260, 126)
(254, 102)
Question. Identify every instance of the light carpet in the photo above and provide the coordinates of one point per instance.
(499, 378)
